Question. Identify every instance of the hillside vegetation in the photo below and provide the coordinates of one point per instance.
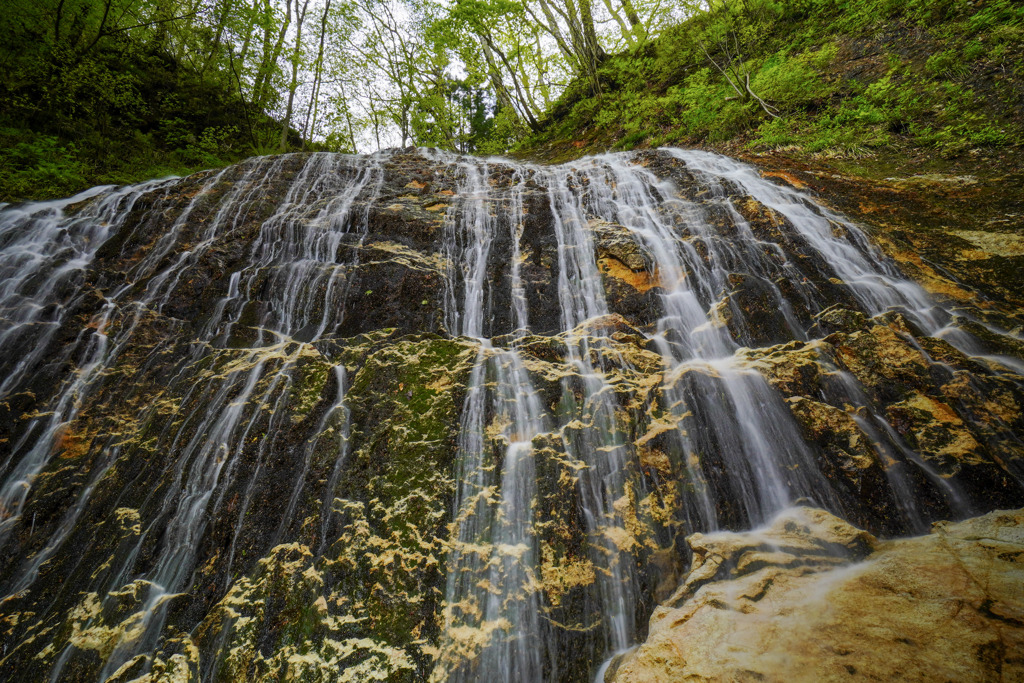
(118, 91)
(836, 78)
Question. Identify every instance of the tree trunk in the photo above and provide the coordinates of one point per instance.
(594, 52)
(225, 13)
(270, 57)
(638, 28)
(348, 117)
(624, 29)
(501, 89)
(294, 83)
(551, 26)
(317, 74)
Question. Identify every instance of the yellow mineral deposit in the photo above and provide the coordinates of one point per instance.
(421, 416)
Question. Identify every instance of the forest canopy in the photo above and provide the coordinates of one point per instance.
(115, 91)
(122, 86)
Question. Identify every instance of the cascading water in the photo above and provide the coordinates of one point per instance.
(42, 257)
(219, 426)
(493, 612)
(597, 440)
(633, 348)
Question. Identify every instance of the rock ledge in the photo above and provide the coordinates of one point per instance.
(811, 598)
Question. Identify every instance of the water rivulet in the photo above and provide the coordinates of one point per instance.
(414, 416)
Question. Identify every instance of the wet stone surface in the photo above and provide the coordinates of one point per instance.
(414, 416)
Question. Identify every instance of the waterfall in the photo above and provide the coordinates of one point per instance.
(193, 359)
(212, 438)
(306, 264)
(492, 615)
(740, 416)
(43, 255)
(598, 440)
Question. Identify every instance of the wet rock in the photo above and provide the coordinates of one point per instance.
(811, 598)
(632, 285)
(935, 430)
(990, 341)
(277, 623)
(882, 360)
(321, 364)
(848, 447)
(766, 223)
(938, 180)
(616, 242)
(997, 243)
(837, 319)
(794, 368)
(756, 317)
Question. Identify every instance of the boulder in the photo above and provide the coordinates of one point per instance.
(811, 598)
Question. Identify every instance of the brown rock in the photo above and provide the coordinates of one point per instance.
(783, 605)
(836, 430)
(936, 431)
(640, 280)
(617, 242)
(793, 368)
(881, 359)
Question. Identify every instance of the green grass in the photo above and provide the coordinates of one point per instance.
(123, 112)
(842, 78)
(38, 166)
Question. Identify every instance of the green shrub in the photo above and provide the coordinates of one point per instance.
(790, 81)
(942, 63)
(776, 133)
(698, 103)
(38, 166)
(633, 139)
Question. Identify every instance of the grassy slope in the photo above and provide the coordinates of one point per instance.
(850, 79)
(37, 165)
(125, 114)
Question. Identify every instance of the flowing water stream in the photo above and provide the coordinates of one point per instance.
(493, 609)
(231, 377)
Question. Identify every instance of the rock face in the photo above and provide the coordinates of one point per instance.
(811, 598)
(414, 417)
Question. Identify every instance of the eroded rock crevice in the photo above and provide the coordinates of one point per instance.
(415, 417)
